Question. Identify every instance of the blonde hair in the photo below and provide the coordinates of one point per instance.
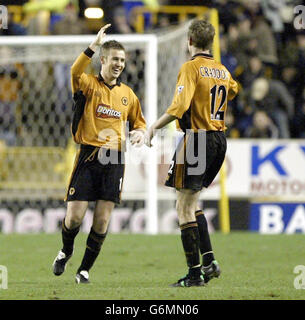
(202, 34)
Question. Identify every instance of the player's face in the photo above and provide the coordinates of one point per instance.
(113, 64)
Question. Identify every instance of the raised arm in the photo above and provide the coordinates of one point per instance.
(97, 42)
(78, 77)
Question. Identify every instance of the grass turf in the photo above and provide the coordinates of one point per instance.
(141, 267)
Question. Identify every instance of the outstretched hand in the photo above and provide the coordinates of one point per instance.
(149, 134)
(99, 37)
(136, 137)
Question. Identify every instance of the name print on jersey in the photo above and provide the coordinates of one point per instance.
(213, 73)
(104, 111)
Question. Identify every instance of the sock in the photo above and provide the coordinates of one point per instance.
(94, 244)
(195, 272)
(190, 242)
(68, 236)
(205, 242)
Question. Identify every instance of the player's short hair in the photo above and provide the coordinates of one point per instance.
(112, 44)
(202, 34)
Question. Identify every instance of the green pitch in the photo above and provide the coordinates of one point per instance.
(140, 267)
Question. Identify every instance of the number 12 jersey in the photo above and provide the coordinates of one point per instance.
(203, 89)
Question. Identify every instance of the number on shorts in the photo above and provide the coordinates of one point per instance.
(171, 166)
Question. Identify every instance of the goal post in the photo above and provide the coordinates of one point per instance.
(151, 91)
(224, 211)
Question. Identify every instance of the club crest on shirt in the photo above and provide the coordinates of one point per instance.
(104, 111)
(125, 101)
(179, 89)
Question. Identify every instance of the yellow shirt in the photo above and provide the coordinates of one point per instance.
(203, 89)
(108, 109)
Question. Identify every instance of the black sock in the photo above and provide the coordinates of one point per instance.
(68, 236)
(190, 242)
(195, 272)
(94, 244)
(205, 242)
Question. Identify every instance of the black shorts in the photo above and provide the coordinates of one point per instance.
(94, 179)
(197, 160)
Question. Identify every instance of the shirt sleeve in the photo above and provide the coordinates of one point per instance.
(135, 115)
(79, 79)
(184, 92)
(233, 88)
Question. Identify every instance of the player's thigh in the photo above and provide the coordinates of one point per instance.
(102, 214)
(186, 204)
(76, 211)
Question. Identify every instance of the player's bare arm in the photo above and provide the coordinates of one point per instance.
(164, 120)
(83, 60)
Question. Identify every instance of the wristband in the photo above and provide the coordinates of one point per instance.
(89, 52)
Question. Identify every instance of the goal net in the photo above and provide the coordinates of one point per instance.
(36, 150)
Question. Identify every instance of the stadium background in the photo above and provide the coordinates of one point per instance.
(261, 45)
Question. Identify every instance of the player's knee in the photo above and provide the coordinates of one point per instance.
(179, 207)
(185, 210)
(73, 221)
(100, 224)
(185, 206)
(75, 213)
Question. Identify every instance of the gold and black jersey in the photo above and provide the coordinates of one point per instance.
(108, 109)
(203, 89)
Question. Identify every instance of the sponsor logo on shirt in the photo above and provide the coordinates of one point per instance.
(103, 111)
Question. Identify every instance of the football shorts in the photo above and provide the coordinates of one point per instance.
(197, 160)
(97, 175)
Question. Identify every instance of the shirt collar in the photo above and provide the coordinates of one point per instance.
(205, 55)
(101, 79)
